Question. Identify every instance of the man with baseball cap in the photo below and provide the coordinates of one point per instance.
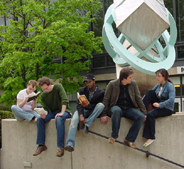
(89, 110)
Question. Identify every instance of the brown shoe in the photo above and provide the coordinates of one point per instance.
(39, 150)
(60, 152)
(111, 140)
(130, 144)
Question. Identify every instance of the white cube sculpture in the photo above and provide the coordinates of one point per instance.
(142, 21)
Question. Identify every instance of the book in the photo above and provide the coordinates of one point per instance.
(40, 111)
(33, 96)
(82, 99)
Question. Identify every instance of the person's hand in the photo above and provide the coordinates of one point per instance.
(35, 99)
(145, 119)
(26, 99)
(156, 104)
(82, 119)
(104, 119)
(43, 116)
(59, 115)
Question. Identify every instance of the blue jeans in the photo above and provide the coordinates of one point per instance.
(149, 128)
(60, 127)
(92, 115)
(132, 114)
(21, 115)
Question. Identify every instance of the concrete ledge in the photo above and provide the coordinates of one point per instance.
(91, 151)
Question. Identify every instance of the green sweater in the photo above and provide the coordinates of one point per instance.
(53, 100)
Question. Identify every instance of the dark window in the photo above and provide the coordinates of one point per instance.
(102, 60)
(180, 19)
(180, 52)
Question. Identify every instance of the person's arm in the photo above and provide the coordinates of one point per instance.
(21, 102)
(62, 111)
(104, 118)
(171, 98)
(34, 103)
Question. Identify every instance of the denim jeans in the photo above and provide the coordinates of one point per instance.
(132, 114)
(60, 127)
(92, 115)
(149, 128)
(21, 115)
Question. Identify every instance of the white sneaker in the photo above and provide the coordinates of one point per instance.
(40, 111)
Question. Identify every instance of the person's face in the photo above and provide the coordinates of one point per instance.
(30, 89)
(90, 84)
(159, 77)
(128, 80)
(46, 88)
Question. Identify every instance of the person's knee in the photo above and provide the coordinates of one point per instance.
(142, 117)
(39, 119)
(100, 106)
(59, 120)
(13, 107)
(115, 112)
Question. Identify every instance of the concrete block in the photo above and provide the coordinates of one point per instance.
(92, 151)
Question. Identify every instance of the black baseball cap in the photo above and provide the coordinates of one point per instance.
(89, 77)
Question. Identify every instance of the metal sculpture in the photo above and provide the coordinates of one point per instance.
(146, 57)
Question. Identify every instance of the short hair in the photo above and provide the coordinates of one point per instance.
(125, 72)
(44, 80)
(33, 83)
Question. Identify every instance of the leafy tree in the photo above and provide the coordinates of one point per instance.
(38, 31)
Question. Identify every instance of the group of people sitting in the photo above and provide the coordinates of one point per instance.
(121, 98)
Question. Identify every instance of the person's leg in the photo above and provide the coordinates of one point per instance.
(149, 128)
(72, 130)
(41, 133)
(60, 127)
(34, 114)
(138, 118)
(94, 114)
(41, 128)
(116, 114)
(21, 115)
(149, 98)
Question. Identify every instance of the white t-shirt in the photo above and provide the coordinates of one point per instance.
(22, 95)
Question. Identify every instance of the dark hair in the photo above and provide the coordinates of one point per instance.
(165, 74)
(44, 80)
(125, 72)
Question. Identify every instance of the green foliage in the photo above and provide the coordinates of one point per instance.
(6, 114)
(39, 30)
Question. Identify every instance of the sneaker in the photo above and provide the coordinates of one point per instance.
(40, 111)
(111, 140)
(39, 150)
(69, 148)
(34, 120)
(85, 129)
(60, 152)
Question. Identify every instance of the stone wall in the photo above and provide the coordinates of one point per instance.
(92, 151)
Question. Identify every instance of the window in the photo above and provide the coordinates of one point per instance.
(102, 60)
(180, 19)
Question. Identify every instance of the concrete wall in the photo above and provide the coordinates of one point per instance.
(91, 151)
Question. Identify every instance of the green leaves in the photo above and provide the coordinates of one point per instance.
(37, 32)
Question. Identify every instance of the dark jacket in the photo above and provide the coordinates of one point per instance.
(112, 94)
(97, 98)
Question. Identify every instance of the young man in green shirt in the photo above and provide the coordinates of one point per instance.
(55, 102)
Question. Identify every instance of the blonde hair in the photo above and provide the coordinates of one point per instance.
(33, 83)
